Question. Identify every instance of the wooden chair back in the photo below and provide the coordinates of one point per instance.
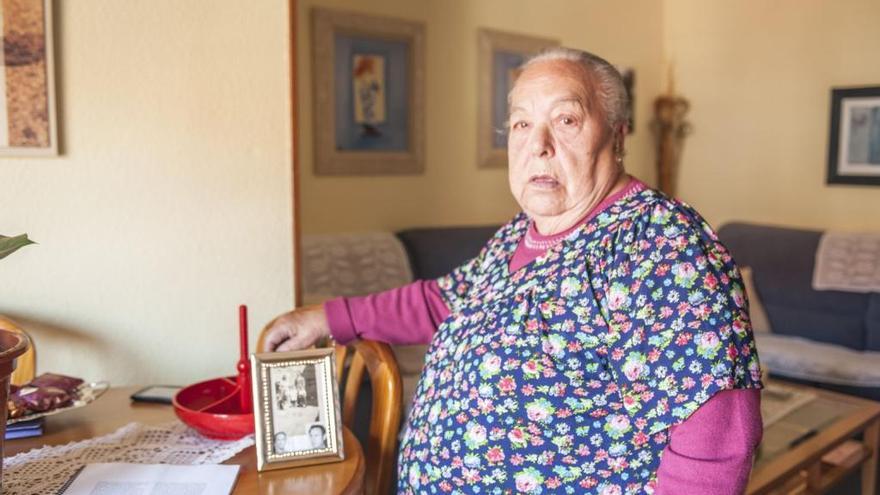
(376, 360)
(26, 366)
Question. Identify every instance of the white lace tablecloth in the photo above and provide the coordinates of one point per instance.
(44, 470)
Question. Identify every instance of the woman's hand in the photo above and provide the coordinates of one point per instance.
(298, 329)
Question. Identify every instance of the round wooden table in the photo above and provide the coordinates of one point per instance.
(114, 409)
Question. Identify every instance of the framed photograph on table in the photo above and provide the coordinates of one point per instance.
(854, 138)
(500, 56)
(369, 94)
(27, 106)
(296, 408)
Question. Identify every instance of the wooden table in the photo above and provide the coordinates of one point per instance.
(114, 409)
(799, 469)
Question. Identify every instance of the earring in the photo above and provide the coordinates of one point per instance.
(618, 152)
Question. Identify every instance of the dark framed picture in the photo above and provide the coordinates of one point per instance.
(500, 56)
(854, 138)
(27, 108)
(296, 408)
(369, 94)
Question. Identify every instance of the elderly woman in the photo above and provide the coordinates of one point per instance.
(600, 341)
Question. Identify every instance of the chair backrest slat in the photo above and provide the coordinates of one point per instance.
(341, 354)
(352, 387)
(379, 362)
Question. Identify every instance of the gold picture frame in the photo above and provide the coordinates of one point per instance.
(499, 54)
(296, 409)
(369, 94)
(28, 122)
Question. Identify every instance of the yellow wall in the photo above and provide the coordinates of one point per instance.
(452, 190)
(170, 204)
(758, 75)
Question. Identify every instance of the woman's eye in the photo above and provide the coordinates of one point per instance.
(567, 120)
(520, 125)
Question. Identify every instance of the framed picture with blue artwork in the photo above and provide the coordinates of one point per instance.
(854, 138)
(369, 94)
(500, 56)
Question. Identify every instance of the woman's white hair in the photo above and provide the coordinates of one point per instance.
(608, 85)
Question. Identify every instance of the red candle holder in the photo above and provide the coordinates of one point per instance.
(221, 408)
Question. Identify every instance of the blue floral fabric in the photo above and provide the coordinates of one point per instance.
(564, 376)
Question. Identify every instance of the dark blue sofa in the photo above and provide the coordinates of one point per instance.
(782, 262)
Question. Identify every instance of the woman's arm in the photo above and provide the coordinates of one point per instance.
(406, 315)
(711, 451)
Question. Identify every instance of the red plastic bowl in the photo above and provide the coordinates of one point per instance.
(213, 409)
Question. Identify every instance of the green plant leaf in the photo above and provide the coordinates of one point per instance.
(9, 245)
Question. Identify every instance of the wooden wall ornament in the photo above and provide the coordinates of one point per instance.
(670, 128)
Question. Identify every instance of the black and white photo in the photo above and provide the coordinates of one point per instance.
(296, 408)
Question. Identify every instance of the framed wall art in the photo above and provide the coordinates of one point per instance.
(854, 137)
(369, 94)
(500, 56)
(296, 408)
(27, 109)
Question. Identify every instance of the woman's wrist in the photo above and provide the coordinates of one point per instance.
(339, 320)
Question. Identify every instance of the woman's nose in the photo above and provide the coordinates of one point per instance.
(542, 142)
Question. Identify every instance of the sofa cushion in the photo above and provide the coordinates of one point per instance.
(410, 358)
(801, 358)
(434, 252)
(782, 260)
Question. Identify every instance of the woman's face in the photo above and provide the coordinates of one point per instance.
(558, 147)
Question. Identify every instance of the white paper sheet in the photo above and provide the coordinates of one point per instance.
(120, 478)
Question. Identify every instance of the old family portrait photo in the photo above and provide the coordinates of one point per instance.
(298, 409)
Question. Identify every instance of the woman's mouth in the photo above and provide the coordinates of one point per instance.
(543, 181)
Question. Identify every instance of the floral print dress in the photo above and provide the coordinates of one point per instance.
(565, 375)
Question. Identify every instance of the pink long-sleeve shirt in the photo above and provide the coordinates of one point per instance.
(709, 453)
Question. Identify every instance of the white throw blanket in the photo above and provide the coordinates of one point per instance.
(848, 261)
(353, 264)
